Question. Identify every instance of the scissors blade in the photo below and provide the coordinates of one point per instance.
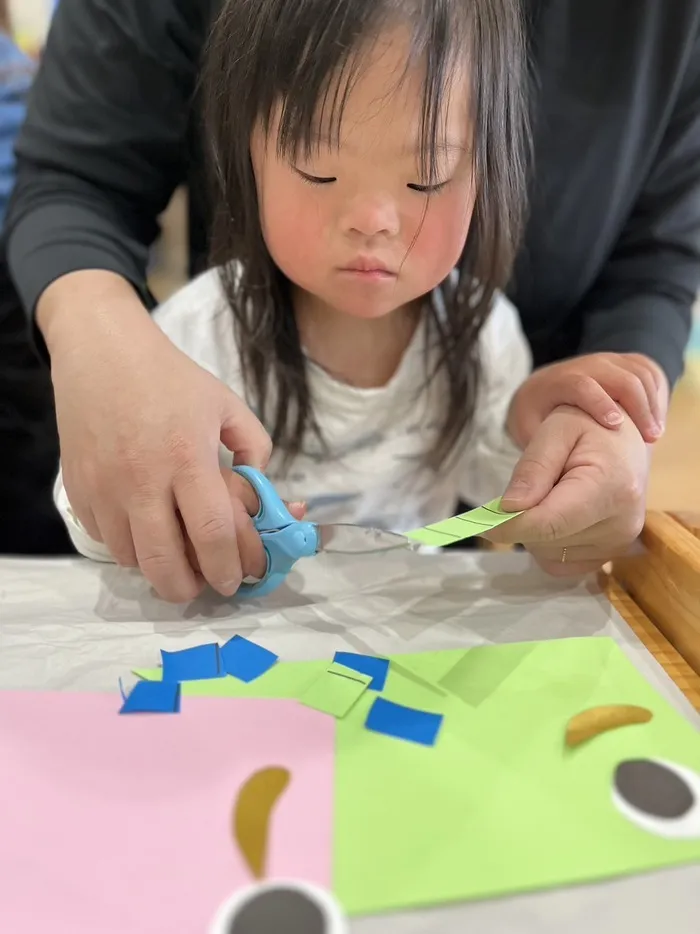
(358, 540)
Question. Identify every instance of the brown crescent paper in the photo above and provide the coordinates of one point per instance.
(590, 723)
(251, 816)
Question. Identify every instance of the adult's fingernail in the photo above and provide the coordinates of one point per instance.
(518, 485)
(228, 588)
(614, 418)
(517, 489)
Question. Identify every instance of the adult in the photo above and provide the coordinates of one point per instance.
(610, 262)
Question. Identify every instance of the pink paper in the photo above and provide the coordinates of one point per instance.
(123, 825)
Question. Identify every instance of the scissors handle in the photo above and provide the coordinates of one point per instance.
(284, 538)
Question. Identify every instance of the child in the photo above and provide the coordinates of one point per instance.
(370, 163)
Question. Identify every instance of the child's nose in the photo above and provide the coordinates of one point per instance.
(372, 216)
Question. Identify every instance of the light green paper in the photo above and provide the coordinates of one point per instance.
(475, 522)
(336, 690)
(498, 805)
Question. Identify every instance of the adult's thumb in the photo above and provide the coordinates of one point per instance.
(243, 434)
(540, 467)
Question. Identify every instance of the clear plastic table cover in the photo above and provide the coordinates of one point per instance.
(73, 625)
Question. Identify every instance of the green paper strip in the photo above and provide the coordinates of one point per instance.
(475, 522)
(336, 690)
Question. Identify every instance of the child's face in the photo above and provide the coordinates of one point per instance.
(348, 225)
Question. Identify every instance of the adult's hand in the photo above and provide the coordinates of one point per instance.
(140, 425)
(245, 505)
(584, 490)
(607, 386)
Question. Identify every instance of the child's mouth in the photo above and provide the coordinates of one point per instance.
(368, 268)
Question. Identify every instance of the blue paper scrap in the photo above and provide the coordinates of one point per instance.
(194, 664)
(376, 668)
(417, 726)
(153, 697)
(246, 660)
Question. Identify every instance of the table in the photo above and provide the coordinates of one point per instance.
(663, 580)
(71, 625)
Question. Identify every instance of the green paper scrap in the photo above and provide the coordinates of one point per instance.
(284, 680)
(287, 680)
(336, 690)
(475, 522)
(499, 805)
(351, 674)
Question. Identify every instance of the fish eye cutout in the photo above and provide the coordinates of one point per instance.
(660, 797)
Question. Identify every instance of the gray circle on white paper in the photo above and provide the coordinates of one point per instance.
(671, 818)
(278, 911)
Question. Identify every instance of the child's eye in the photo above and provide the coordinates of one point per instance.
(428, 189)
(314, 179)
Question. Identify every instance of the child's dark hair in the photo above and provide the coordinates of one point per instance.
(303, 54)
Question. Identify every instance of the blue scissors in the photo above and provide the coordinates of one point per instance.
(286, 539)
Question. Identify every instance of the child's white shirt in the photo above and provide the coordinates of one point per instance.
(372, 470)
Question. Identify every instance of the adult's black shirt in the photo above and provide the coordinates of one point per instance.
(611, 257)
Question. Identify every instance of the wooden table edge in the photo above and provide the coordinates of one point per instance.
(672, 662)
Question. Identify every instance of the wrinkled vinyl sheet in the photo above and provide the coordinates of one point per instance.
(72, 625)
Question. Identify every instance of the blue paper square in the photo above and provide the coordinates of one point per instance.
(153, 697)
(246, 660)
(416, 726)
(194, 664)
(376, 668)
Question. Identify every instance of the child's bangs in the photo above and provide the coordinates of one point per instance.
(311, 111)
(309, 86)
